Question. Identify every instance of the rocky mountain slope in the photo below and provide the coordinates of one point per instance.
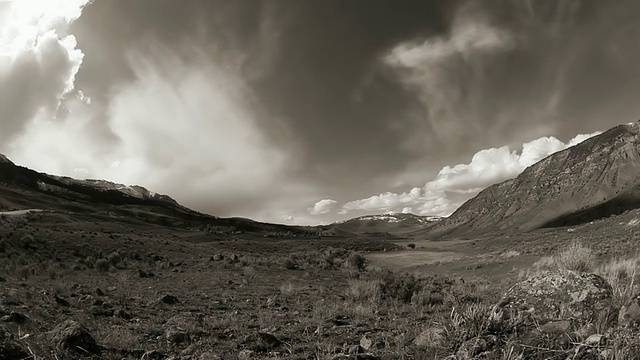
(23, 188)
(397, 224)
(594, 179)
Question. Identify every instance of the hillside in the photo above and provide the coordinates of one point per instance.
(394, 224)
(23, 188)
(594, 179)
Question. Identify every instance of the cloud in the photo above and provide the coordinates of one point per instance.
(447, 73)
(184, 129)
(322, 207)
(455, 185)
(38, 62)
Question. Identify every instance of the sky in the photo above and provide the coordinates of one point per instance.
(309, 112)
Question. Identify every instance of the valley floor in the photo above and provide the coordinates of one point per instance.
(149, 292)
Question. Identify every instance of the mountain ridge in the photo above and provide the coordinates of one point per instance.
(593, 179)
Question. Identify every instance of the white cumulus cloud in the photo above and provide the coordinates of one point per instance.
(322, 207)
(456, 184)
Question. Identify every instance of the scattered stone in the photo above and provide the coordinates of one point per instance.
(10, 348)
(15, 317)
(169, 300)
(595, 339)
(246, 355)
(60, 301)
(262, 342)
(366, 343)
(72, 336)
(176, 336)
(144, 274)
(470, 349)
(98, 311)
(431, 337)
(556, 326)
(555, 295)
(124, 314)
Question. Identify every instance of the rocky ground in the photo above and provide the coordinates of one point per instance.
(74, 288)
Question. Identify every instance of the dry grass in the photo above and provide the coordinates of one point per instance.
(622, 275)
(575, 257)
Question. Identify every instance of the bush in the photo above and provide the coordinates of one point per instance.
(622, 276)
(360, 290)
(114, 258)
(103, 265)
(399, 286)
(357, 261)
(411, 246)
(90, 262)
(576, 257)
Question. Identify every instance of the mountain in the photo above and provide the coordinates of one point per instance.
(23, 188)
(395, 224)
(594, 179)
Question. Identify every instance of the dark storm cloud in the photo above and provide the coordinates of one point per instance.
(274, 106)
(312, 65)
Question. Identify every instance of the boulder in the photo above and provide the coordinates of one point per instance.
(555, 296)
(72, 336)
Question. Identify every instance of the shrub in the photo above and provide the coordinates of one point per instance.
(114, 258)
(364, 290)
(103, 265)
(399, 286)
(622, 276)
(411, 246)
(90, 262)
(357, 261)
(576, 257)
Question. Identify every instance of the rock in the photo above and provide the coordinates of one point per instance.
(555, 295)
(98, 311)
(15, 317)
(60, 301)
(595, 339)
(169, 300)
(10, 348)
(471, 348)
(431, 337)
(218, 257)
(246, 355)
(585, 331)
(556, 326)
(261, 342)
(366, 343)
(72, 336)
(144, 274)
(177, 336)
(124, 314)
(629, 315)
